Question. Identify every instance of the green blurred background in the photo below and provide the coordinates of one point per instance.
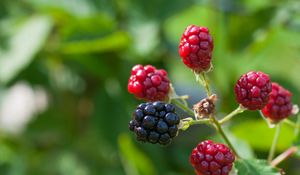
(64, 66)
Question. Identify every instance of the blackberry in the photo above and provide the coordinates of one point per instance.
(148, 83)
(155, 122)
(212, 158)
(279, 106)
(252, 90)
(195, 48)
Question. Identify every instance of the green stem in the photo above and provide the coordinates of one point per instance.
(187, 122)
(238, 110)
(184, 101)
(291, 123)
(183, 107)
(283, 156)
(206, 84)
(222, 133)
(203, 81)
(275, 140)
(297, 129)
(201, 121)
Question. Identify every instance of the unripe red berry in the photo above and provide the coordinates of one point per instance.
(195, 48)
(279, 105)
(149, 83)
(252, 90)
(210, 158)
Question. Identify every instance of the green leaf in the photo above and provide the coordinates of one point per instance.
(134, 161)
(85, 7)
(254, 167)
(250, 130)
(298, 152)
(297, 131)
(255, 5)
(241, 146)
(7, 154)
(23, 46)
(68, 163)
(145, 44)
(175, 25)
(115, 41)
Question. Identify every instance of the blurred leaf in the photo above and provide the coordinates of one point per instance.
(7, 154)
(240, 37)
(74, 28)
(149, 8)
(297, 131)
(75, 7)
(254, 167)
(18, 167)
(145, 37)
(254, 5)
(113, 42)
(69, 164)
(242, 147)
(298, 152)
(23, 46)
(94, 65)
(198, 15)
(274, 46)
(254, 131)
(134, 161)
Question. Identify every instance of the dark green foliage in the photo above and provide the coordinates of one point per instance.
(81, 52)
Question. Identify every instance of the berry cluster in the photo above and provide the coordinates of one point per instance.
(252, 90)
(279, 106)
(155, 122)
(210, 158)
(195, 48)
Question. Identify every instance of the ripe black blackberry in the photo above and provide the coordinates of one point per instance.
(155, 122)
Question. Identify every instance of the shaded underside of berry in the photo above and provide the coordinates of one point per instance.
(252, 90)
(210, 158)
(279, 105)
(149, 83)
(195, 48)
(155, 122)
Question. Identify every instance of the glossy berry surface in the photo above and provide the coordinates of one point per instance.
(149, 83)
(155, 122)
(195, 48)
(279, 106)
(252, 90)
(210, 158)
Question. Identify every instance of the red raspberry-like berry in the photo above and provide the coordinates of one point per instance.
(279, 106)
(195, 48)
(149, 83)
(252, 90)
(210, 158)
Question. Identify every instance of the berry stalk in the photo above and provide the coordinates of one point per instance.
(222, 133)
(183, 107)
(203, 81)
(238, 110)
(196, 122)
(206, 84)
(275, 140)
(187, 122)
(297, 129)
(283, 156)
(291, 123)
